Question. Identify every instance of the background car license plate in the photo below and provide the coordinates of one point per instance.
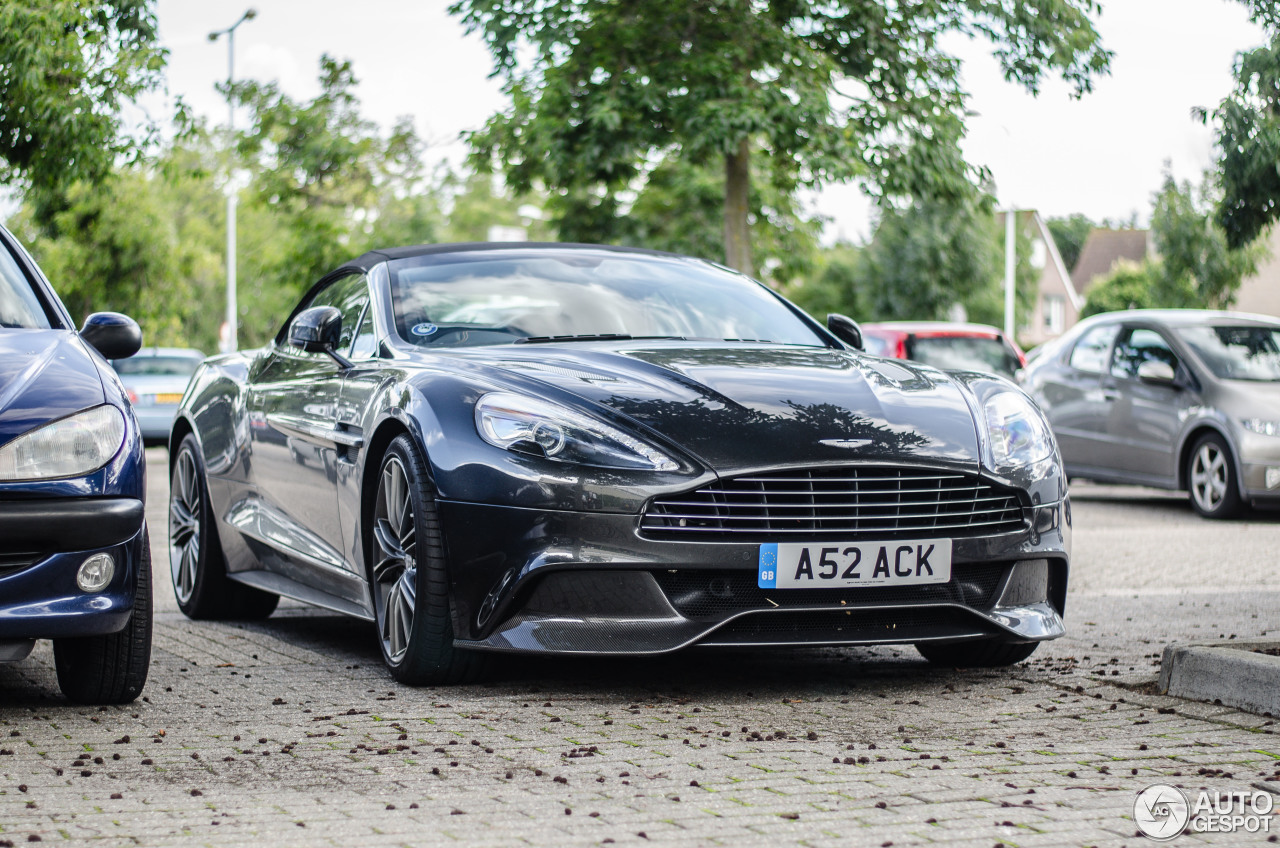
(906, 562)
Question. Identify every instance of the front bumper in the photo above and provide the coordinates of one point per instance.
(534, 581)
(45, 541)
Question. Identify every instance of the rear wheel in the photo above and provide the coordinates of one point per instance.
(408, 578)
(1211, 478)
(111, 669)
(199, 571)
(979, 653)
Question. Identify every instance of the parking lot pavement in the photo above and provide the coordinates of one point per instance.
(289, 731)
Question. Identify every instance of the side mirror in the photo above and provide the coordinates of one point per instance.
(1156, 372)
(319, 330)
(845, 329)
(113, 335)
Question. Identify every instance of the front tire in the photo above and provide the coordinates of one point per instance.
(408, 578)
(980, 653)
(111, 669)
(196, 563)
(1211, 478)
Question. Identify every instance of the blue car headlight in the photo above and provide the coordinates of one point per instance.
(541, 428)
(1016, 431)
(69, 447)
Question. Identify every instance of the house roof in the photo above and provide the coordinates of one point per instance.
(1054, 257)
(1103, 249)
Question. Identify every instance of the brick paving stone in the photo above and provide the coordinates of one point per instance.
(328, 743)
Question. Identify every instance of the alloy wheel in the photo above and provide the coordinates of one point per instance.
(184, 527)
(1209, 477)
(395, 569)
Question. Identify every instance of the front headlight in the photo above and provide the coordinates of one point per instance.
(1016, 430)
(1261, 426)
(70, 447)
(541, 428)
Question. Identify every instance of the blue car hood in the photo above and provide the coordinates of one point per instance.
(44, 375)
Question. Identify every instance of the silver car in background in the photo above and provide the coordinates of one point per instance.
(1176, 399)
(155, 379)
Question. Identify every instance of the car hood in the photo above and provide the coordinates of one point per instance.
(44, 374)
(755, 406)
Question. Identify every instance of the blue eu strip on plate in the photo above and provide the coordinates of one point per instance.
(767, 578)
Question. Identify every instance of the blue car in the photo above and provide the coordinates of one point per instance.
(75, 563)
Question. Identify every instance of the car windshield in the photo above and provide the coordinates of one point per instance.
(964, 353)
(157, 366)
(19, 306)
(1237, 352)
(530, 295)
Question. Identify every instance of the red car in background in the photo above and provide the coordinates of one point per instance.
(950, 346)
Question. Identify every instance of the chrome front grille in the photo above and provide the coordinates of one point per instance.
(849, 501)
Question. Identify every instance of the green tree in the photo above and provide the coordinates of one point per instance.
(602, 91)
(1195, 256)
(1069, 234)
(928, 258)
(477, 202)
(1131, 285)
(115, 244)
(1248, 129)
(67, 68)
(680, 210)
(325, 184)
(1195, 267)
(835, 285)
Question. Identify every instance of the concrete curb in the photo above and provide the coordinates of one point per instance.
(1229, 672)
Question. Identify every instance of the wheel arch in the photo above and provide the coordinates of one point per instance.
(1188, 445)
(387, 432)
(182, 428)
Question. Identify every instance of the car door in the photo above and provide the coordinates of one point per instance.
(1076, 403)
(1146, 416)
(297, 447)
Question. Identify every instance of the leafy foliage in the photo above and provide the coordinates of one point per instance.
(1195, 255)
(1248, 122)
(922, 262)
(1131, 286)
(1196, 268)
(1069, 234)
(67, 68)
(323, 183)
(604, 92)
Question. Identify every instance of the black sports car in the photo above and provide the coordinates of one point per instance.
(592, 450)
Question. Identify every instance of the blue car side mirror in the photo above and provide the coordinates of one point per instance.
(113, 335)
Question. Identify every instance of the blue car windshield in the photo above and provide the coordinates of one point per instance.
(19, 306)
(486, 297)
(1237, 352)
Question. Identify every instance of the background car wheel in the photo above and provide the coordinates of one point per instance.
(199, 571)
(981, 653)
(111, 669)
(407, 576)
(1211, 478)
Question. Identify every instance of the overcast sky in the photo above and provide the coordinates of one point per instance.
(1102, 155)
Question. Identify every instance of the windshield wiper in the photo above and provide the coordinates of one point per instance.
(596, 337)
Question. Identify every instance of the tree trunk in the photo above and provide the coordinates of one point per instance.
(737, 193)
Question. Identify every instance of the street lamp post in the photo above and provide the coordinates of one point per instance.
(230, 343)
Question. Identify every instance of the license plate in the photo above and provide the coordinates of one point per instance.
(907, 562)
(169, 397)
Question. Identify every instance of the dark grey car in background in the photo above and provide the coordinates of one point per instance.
(1176, 399)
